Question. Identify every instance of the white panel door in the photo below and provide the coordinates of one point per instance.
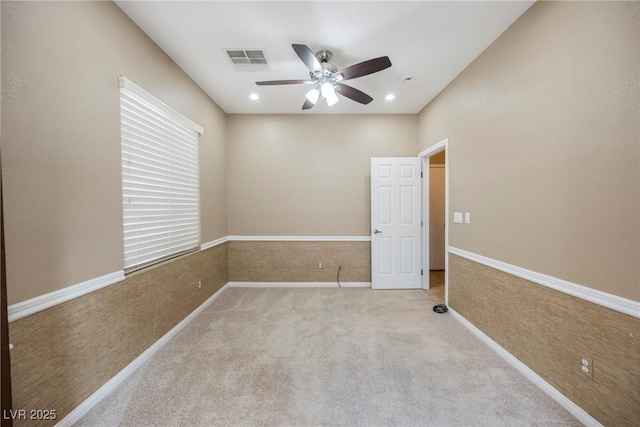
(395, 223)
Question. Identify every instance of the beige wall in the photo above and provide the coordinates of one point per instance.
(543, 135)
(61, 139)
(306, 175)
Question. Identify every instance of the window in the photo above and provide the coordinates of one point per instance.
(160, 186)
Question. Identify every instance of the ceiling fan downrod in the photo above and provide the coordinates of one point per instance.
(324, 55)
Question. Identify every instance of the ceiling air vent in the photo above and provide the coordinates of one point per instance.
(248, 59)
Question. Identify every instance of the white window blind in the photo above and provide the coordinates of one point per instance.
(160, 185)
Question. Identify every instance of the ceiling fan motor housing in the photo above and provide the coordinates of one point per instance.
(328, 69)
(324, 55)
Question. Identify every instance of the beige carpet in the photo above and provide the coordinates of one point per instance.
(338, 357)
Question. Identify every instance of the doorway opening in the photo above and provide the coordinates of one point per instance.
(436, 224)
(435, 212)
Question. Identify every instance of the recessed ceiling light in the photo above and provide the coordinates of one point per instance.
(254, 96)
(390, 97)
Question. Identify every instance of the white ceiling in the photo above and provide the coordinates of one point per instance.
(427, 40)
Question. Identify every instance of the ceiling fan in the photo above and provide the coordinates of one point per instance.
(327, 79)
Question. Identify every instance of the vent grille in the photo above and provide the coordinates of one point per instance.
(246, 57)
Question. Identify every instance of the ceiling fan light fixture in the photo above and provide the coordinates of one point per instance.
(254, 97)
(327, 89)
(390, 97)
(313, 95)
(332, 98)
(329, 93)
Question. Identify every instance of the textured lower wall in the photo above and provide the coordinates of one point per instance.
(260, 261)
(550, 332)
(64, 354)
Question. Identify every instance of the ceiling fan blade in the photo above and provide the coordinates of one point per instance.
(352, 93)
(307, 56)
(308, 105)
(367, 67)
(283, 82)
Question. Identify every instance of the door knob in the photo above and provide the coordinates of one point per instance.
(376, 231)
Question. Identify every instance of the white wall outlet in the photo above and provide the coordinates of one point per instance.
(457, 217)
(467, 218)
(587, 367)
(319, 266)
(199, 284)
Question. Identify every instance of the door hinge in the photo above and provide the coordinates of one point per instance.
(421, 223)
(421, 174)
(422, 272)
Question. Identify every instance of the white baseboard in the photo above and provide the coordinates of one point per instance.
(298, 284)
(355, 284)
(75, 415)
(34, 305)
(213, 243)
(563, 400)
(613, 302)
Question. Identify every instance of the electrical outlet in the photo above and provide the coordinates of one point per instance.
(587, 367)
(199, 284)
(319, 266)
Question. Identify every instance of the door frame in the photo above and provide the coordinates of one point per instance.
(425, 161)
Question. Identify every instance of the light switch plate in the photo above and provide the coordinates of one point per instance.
(467, 218)
(457, 217)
